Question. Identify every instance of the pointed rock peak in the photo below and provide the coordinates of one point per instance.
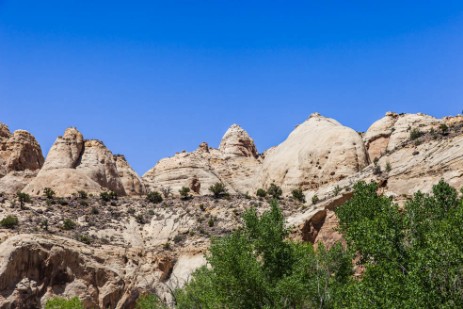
(72, 133)
(203, 147)
(4, 131)
(94, 143)
(120, 157)
(237, 143)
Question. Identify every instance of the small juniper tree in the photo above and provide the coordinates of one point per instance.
(48, 193)
(184, 193)
(218, 190)
(275, 191)
(23, 198)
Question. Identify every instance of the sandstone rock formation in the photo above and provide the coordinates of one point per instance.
(20, 159)
(75, 164)
(235, 164)
(317, 152)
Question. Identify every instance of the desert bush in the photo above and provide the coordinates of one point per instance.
(23, 198)
(154, 197)
(415, 134)
(108, 196)
(48, 193)
(82, 194)
(298, 195)
(68, 224)
(184, 193)
(274, 191)
(261, 193)
(9, 222)
(218, 190)
(315, 199)
(166, 191)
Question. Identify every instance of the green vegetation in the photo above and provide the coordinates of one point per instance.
(415, 134)
(68, 224)
(154, 197)
(9, 222)
(63, 303)
(274, 191)
(337, 190)
(261, 193)
(315, 199)
(298, 195)
(444, 128)
(23, 198)
(150, 301)
(48, 193)
(82, 194)
(410, 258)
(108, 196)
(218, 190)
(184, 193)
(256, 267)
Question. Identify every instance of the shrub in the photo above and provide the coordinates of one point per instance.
(9, 222)
(298, 195)
(218, 190)
(388, 167)
(140, 219)
(315, 199)
(23, 198)
(211, 222)
(166, 191)
(95, 210)
(48, 193)
(84, 239)
(336, 190)
(82, 194)
(68, 224)
(63, 303)
(108, 196)
(274, 191)
(184, 193)
(444, 128)
(149, 301)
(415, 134)
(154, 197)
(261, 193)
(376, 171)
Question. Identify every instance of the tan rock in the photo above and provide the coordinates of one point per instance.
(73, 164)
(130, 180)
(235, 164)
(317, 152)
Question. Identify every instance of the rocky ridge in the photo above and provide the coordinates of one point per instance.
(137, 246)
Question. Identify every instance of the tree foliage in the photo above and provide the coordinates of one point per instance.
(257, 267)
(411, 256)
(63, 303)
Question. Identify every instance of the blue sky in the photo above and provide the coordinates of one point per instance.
(150, 78)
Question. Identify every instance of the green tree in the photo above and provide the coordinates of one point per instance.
(257, 267)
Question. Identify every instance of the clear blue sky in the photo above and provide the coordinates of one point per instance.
(150, 78)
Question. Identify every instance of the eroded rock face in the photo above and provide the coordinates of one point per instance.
(130, 180)
(235, 164)
(317, 152)
(237, 143)
(75, 164)
(20, 157)
(393, 130)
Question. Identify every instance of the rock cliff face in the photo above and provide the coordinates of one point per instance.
(75, 164)
(235, 164)
(20, 159)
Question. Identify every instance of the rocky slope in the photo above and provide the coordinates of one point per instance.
(124, 247)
